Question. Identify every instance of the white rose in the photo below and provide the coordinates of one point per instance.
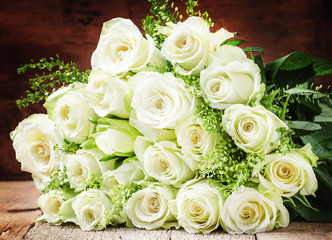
(106, 94)
(50, 204)
(115, 136)
(149, 208)
(129, 172)
(195, 141)
(290, 173)
(34, 141)
(152, 133)
(79, 167)
(225, 54)
(122, 48)
(160, 100)
(88, 210)
(163, 161)
(235, 83)
(248, 211)
(70, 111)
(190, 44)
(197, 206)
(252, 128)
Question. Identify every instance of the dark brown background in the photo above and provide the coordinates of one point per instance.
(37, 28)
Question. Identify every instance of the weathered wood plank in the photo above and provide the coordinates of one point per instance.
(300, 231)
(220, 235)
(296, 230)
(18, 208)
(45, 230)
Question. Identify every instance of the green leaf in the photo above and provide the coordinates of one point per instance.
(259, 61)
(296, 68)
(126, 154)
(299, 60)
(108, 158)
(235, 42)
(305, 201)
(304, 128)
(255, 49)
(304, 109)
(117, 155)
(324, 174)
(326, 114)
(321, 141)
(306, 92)
(118, 163)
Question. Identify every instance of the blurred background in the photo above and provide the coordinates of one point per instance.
(37, 28)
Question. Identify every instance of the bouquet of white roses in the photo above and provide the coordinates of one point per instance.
(179, 127)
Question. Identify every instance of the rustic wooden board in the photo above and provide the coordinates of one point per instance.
(47, 231)
(295, 231)
(300, 231)
(18, 208)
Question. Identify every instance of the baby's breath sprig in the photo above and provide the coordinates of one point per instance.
(210, 117)
(161, 12)
(276, 101)
(69, 147)
(285, 140)
(229, 167)
(192, 83)
(59, 181)
(119, 197)
(93, 182)
(55, 74)
(191, 12)
(281, 101)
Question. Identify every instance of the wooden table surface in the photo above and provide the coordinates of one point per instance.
(19, 208)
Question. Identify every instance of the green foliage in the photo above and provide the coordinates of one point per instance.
(298, 103)
(285, 140)
(119, 197)
(191, 12)
(69, 147)
(93, 182)
(162, 11)
(254, 49)
(296, 68)
(276, 101)
(210, 117)
(59, 181)
(229, 167)
(121, 194)
(320, 141)
(55, 73)
(235, 42)
(259, 61)
(192, 83)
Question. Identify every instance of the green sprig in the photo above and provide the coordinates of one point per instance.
(285, 140)
(210, 117)
(191, 12)
(93, 182)
(161, 12)
(59, 181)
(119, 197)
(229, 167)
(55, 73)
(69, 147)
